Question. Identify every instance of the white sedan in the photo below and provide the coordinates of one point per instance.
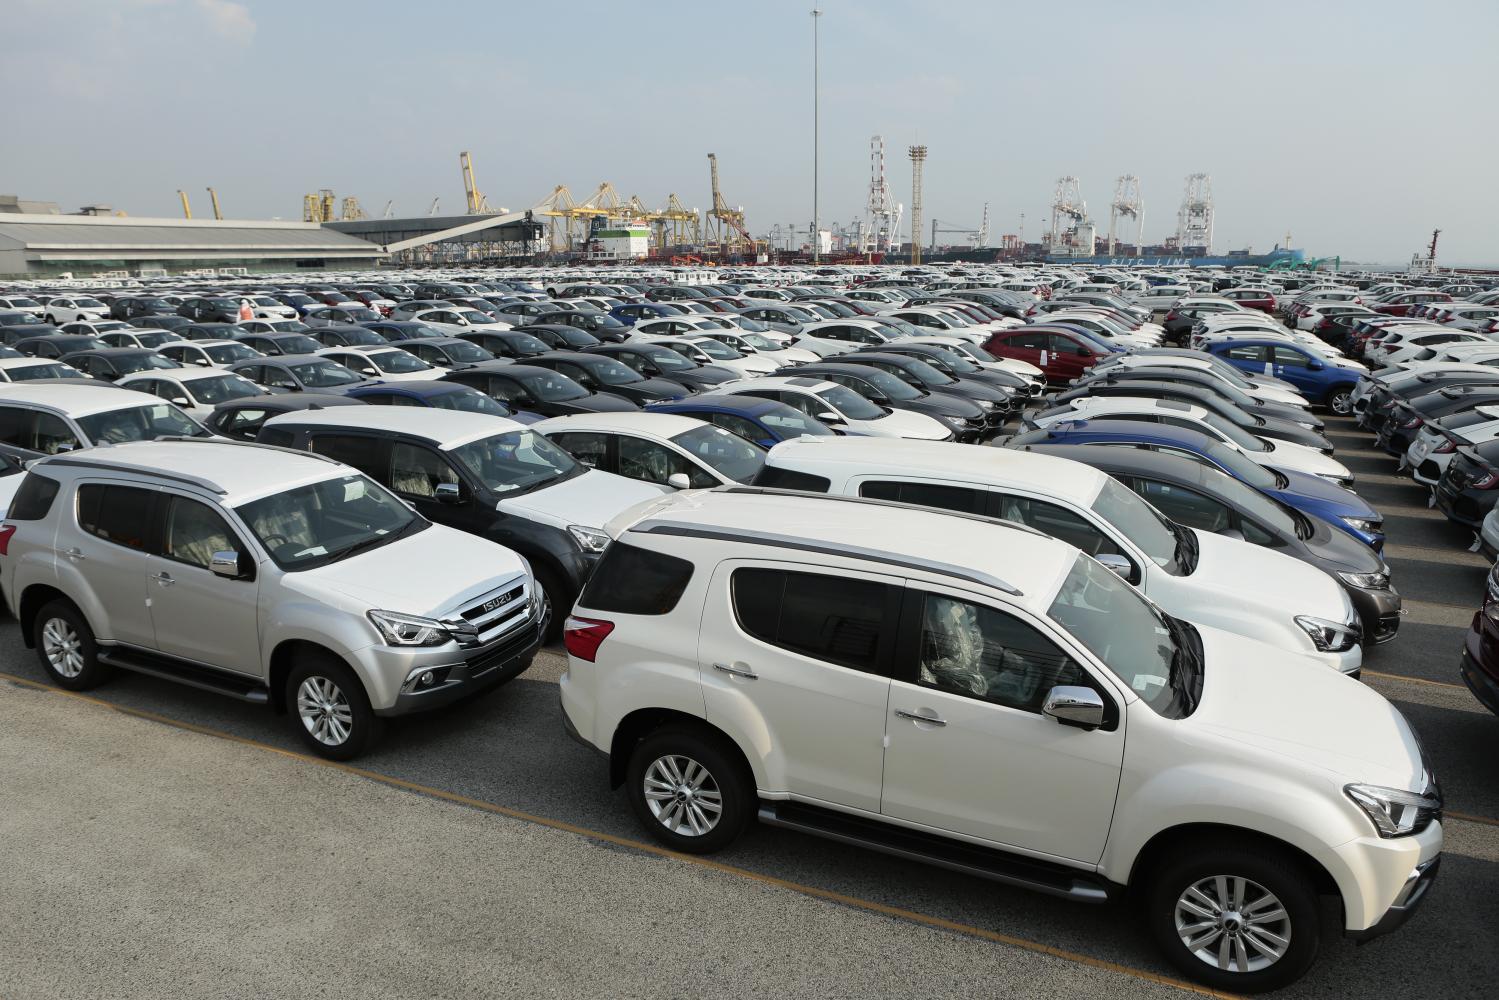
(390, 364)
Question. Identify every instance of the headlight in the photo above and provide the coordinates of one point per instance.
(1395, 812)
(1367, 524)
(1328, 637)
(986, 405)
(1366, 581)
(1344, 481)
(589, 539)
(409, 630)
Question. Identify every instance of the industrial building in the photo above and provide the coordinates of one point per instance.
(42, 245)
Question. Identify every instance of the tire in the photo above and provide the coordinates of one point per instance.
(555, 605)
(1260, 877)
(329, 708)
(51, 319)
(1340, 400)
(704, 771)
(66, 648)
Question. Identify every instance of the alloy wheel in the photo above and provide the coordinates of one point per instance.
(1341, 403)
(1233, 924)
(683, 795)
(325, 711)
(63, 647)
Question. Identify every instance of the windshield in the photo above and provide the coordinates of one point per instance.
(525, 345)
(890, 385)
(1245, 470)
(141, 362)
(553, 387)
(88, 303)
(730, 455)
(220, 388)
(611, 372)
(956, 361)
(715, 350)
(354, 335)
(21, 319)
(974, 351)
(750, 325)
(668, 360)
(1133, 638)
(468, 400)
(322, 374)
(139, 423)
(297, 344)
(850, 403)
(515, 462)
(1235, 433)
(323, 522)
(227, 354)
(53, 370)
(154, 340)
(925, 373)
(1142, 524)
(462, 350)
(1252, 502)
(477, 318)
(758, 342)
(398, 362)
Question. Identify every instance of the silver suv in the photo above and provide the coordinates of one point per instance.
(273, 576)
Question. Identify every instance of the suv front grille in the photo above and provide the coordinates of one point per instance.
(493, 614)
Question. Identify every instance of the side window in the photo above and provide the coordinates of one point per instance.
(1184, 506)
(15, 424)
(590, 449)
(977, 651)
(1058, 522)
(417, 471)
(51, 435)
(244, 423)
(277, 436)
(830, 618)
(1288, 358)
(810, 405)
(118, 514)
(655, 463)
(363, 452)
(735, 424)
(1034, 341)
(194, 532)
(635, 581)
(279, 378)
(1245, 353)
(963, 499)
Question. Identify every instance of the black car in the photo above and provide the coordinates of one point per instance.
(1270, 427)
(133, 337)
(1202, 379)
(512, 344)
(1381, 402)
(537, 390)
(659, 362)
(346, 336)
(55, 345)
(605, 374)
(18, 326)
(405, 329)
(1404, 419)
(560, 336)
(274, 345)
(110, 364)
(600, 324)
(241, 418)
(917, 373)
(1469, 487)
(219, 309)
(132, 307)
(1199, 496)
(950, 362)
(965, 418)
(445, 352)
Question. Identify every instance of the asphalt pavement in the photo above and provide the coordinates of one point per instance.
(159, 841)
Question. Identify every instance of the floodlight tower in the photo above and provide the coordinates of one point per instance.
(1129, 204)
(918, 158)
(1194, 221)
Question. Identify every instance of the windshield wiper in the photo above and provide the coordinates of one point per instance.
(1186, 549)
(1186, 664)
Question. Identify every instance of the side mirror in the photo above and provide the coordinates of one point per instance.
(678, 481)
(1315, 365)
(1117, 564)
(829, 417)
(1074, 706)
(225, 564)
(450, 493)
(203, 363)
(1233, 533)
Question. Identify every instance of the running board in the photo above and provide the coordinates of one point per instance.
(202, 678)
(914, 845)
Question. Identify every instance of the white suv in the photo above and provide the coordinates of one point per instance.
(265, 574)
(993, 701)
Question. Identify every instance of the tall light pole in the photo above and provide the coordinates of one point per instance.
(816, 218)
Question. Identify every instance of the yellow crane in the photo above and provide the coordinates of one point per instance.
(352, 210)
(725, 224)
(214, 197)
(187, 210)
(477, 203)
(558, 208)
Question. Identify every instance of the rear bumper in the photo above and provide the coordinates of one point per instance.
(1483, 685)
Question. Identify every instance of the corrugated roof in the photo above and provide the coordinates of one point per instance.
(114, 234)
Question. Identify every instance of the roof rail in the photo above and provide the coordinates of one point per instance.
(104, 463)
(981, 518)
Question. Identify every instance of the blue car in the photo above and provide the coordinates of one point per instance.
(1324, 380)
(764, 422)
(633, 312)
(441, 395)
(1303, 491)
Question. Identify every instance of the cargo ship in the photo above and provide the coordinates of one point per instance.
(1278, 257)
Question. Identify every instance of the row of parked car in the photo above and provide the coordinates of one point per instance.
(799, 593)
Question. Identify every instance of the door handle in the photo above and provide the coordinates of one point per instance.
(165, 579)
(930, 719)
(75, 554)
(748, 675)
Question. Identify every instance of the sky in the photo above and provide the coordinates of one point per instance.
(1356, 127)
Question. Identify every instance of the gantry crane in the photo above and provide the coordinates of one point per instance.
(352, 210)
(318, 207)
(725, 225)
(558, 208)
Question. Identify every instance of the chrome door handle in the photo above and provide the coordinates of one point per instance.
(933, 720)
(75, 554)
(748, 675)
(165, 579)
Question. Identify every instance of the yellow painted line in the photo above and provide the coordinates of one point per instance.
(1470, 818)
(1411, 680)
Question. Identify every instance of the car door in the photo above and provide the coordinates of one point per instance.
(968, 750)
(1068, 358)
(1294, 366)
(197, 614)
(1251, 358)
(112, 548)
(795, 663)
(652, 462)
(588, 447)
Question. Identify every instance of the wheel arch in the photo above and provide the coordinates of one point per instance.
(1173, 839)
(285, 656)
(33, 599)
(640, 723)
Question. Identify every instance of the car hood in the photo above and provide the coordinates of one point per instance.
(1324, 491)
(602, 402)
(1340, 552)
(1289, 455)
(1245, 573)
(903, 423)
(1292, 705)
(1272, 394)
(590, 500)
(430, 573)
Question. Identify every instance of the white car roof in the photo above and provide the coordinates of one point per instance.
(805, 383)
(1028, 564)
(657, 425)
(447, 429)
(177, 374)
(7, 364)
(74, 400)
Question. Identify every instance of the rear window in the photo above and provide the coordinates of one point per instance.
(829, 618)
(777, 478)
(635, 581)
(34, 499)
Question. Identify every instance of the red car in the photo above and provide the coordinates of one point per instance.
(1060, 354)
(1252, 298)
(1400, 303)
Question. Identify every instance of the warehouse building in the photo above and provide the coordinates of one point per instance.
(43, 245)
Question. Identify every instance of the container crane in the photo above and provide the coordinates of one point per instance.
(725, 224)
(213, 196)
(1128, 204)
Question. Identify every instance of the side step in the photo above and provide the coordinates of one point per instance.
(203, 678)
(914, 845)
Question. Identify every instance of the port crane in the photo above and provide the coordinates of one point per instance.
(1072, 232)
(187, 210)
(979, 235)
(1194, 220)
(477, 203)
(1128, 204)
(213, 196)
(725, 225)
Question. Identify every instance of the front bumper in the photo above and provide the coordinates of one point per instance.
(1411, 894)
(1378, 610)
(468, 671)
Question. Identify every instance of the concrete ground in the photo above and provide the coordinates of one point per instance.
(157, 841)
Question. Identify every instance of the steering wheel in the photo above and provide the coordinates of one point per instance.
(272, 540)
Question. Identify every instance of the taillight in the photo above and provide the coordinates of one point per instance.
(584, 636)
(1447, 447)
(7, 532)
(1487, 481)
(1411, 424)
